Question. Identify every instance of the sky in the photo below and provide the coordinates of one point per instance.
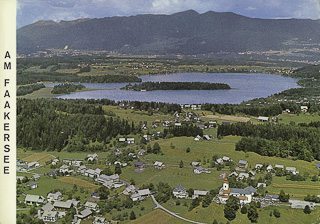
(30, 11)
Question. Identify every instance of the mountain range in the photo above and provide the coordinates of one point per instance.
(183, 33)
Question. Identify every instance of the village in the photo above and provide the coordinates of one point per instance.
(96, 179)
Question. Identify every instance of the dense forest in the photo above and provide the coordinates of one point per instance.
(33, 77)
(66, 88)
(150, 86)
(24, 90)
(43, 126)
(276, 140)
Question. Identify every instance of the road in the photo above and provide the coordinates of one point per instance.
(171, 213)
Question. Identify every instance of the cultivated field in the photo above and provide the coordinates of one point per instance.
(78, 182)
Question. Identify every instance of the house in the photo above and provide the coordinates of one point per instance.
(201, 126)
(104, 178)
(243, 176)
(244, 195)
(82, 169)
(34, 199)
(95, 195)
(145, 137)
(197, 193)
(198, 170)
(33, 165)
(251, 173)
(122, 140)
(226, 159)
(141, 152)
(177, 124)
(52, 173)
(243, 164)
(166, 123)
(272, 197)
(206, 137)
(36, 177)
(47, 207)
(50, 216)
(159, 165)
(263, 119)
(64, 169)
(75, 163)
(261, 184)
(22, 166)
(55, 196)
(84, 214)
(304, 108)
(129, 190)
(212, 124)
(90, 173)
(130, 140)
(54, 162)
(291, 169)
(100, 220)
(62, 205)
(233, 174)
(91, 157)
(91, 205)
(195, 164)
(269, 168)
(279, 166)
(219, 161)
(140, 195)
(33, 185)
(258, 166)
(180, 192)
(197, 138)
(318, 166)
(138, 164)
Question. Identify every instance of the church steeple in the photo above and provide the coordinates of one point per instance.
(225, 184)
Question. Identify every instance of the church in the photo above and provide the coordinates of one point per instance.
(244, 195)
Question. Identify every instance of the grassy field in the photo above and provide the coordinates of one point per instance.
(286, 118)
(40, 158)
(158, 217)
(78, 182)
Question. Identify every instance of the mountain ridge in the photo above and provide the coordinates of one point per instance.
(187, 32)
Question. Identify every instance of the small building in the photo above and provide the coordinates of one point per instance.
(281, 167)
(141, 152)
(304, 108)
(130, 140)
(233, 174)
(263, 119)
(33, 185)
(62, 205)
(57, 196)
(50, 216)
(269, 168)
(318, 166)
(219, 161)
(138, 164)
(291, 169)
(258, 166)
(197, 193)
(206, 137)
(100, 220)
(195, 164)
(129, 190)
(91, 205)
(226, 159)
(261, 184)
(91, 157)
(54, 162)
(86, 213)
(243, 176)
(95, 195)
(159, 165)
(180, 192)
(122, 140)
(64, 169)
(243, 164)
(198, 170)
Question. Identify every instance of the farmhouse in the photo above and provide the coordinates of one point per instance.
(195, 164)
(198, 170)
(54, 196)
(258, 166)
(180, 192)
(197, 193)
(140, 195)
(269, 168)
(54, 162)
(279, 166)
(129, 190)
(91, 205)
(91, 157)
(304, 108)
(243, 176)
(84, 214)
(50, 216)
(62, 205)
(243, 164)
(130, 140)
(141, 152)
(34, 199)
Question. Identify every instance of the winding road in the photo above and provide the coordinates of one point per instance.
(171, 213)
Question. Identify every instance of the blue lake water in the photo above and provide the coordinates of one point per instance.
(245, 86)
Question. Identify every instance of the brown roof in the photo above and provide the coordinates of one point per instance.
(226, 180)
(242, 197)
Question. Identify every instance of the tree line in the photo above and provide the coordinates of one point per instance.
(275, 140)
(66, 88)
(150, 86)
(24, 90)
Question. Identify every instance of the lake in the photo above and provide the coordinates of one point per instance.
(245, 86)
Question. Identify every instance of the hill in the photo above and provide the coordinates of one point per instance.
(181, 33)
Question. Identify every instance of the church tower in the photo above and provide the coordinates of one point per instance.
(225, 184)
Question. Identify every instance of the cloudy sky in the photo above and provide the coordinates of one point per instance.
(30, 11)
